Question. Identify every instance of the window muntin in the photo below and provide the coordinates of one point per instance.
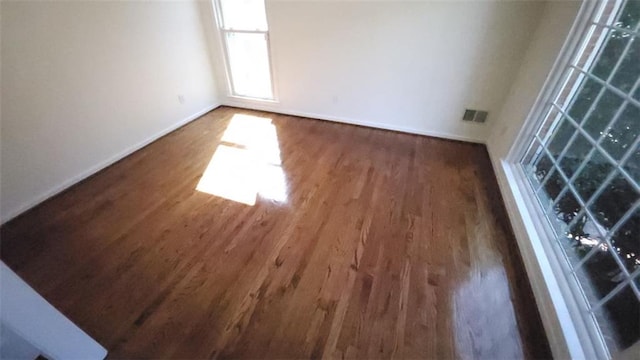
(583, 165)
(245, 36)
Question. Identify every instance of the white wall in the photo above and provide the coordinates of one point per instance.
(85, 83)
(405, 65)
(545, 47)
(556, 21)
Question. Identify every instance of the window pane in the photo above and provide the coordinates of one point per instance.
(610, 54)
(621, 319)
(574, 155)
(630, 15)
(626, 242)
(599, 274)
(592, 175)
(632, 166)
(567, 207)
(580, 239)
(552, 187)
(243, 14)
(560, 138)
(540, 166)
(249, 64)
(614, 201)
(602, 113)
(629, 68)
(624, 131)
(585, 97)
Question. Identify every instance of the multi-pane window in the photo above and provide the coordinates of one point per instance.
(245, 37)
(583, 165)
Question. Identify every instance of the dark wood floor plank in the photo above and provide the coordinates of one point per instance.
(387, 245)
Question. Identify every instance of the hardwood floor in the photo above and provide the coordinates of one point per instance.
(341, 241)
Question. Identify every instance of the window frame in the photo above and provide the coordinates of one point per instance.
(577, 327)
(222, 33)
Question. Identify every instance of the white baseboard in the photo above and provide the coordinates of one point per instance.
(94, 169)
(252, 105)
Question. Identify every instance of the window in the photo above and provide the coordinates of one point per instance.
(583, 165)
(245, 38)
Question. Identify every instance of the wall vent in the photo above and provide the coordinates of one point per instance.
(478, 116)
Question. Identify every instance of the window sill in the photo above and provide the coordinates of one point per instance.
(252, 99)
(570, 333)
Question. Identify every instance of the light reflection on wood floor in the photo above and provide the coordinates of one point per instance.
(378, 245)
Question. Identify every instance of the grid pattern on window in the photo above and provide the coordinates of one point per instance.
(583, 165)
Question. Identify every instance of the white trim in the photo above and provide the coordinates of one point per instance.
(264, 106)
(103, 164)
(31, 318)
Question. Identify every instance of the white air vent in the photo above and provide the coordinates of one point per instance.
(475, 115)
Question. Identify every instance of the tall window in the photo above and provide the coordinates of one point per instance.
(243, 24)
(584, 166)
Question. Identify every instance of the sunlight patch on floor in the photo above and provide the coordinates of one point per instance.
(247, 163)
